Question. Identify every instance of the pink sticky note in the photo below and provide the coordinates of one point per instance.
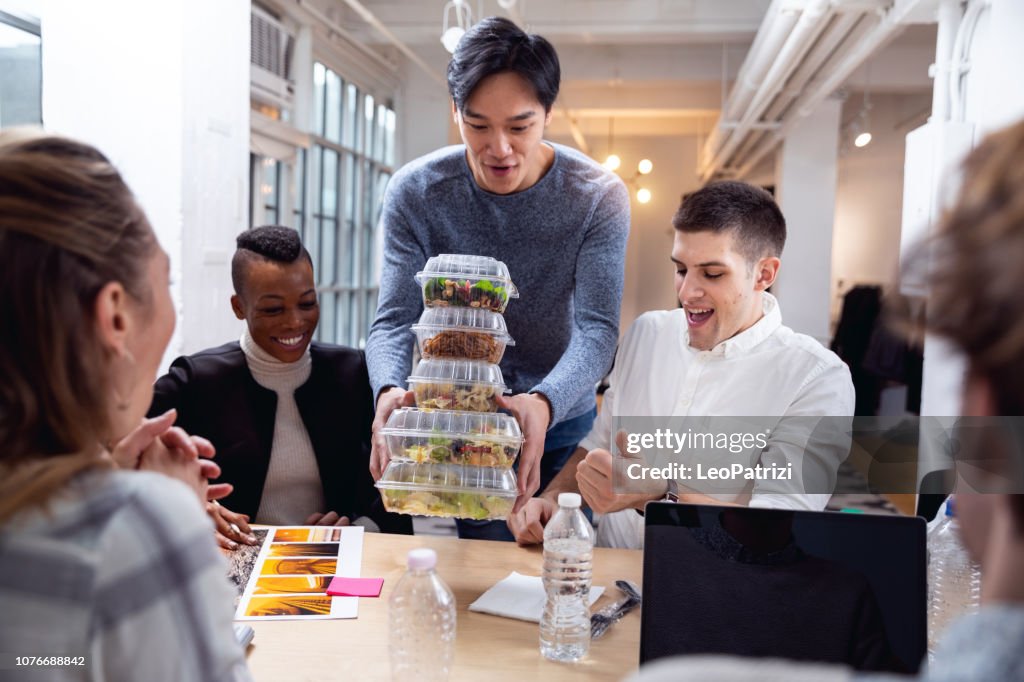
(355, 587)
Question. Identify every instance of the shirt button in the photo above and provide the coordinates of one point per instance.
(684, 403)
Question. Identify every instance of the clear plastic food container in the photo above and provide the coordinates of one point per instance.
(481, 439)
(466, 333)
(466, 281)
(451, 490)
(457, 385)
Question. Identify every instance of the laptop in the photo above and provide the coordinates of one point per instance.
(814, 586)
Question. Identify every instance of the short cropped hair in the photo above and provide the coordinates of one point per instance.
(497, 45)
(274, 243)
(749, 212)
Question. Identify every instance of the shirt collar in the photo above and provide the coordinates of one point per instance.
(748, 339)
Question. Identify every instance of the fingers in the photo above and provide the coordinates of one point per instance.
(208, 469)
(527, 525)
(529, 474)
(387, 402)
(218, 491)
(594, 478)
(203, 447)
(328, 519)
(175, 438)
(241, 522)
(378, 457)
(343, 521)
(128, 450)
(225, 542)
(239, 526)
(312, 520)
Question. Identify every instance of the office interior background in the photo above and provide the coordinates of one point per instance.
(228, 114)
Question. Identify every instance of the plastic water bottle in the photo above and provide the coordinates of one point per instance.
(568, 564)
(954, 581)
(421, 622)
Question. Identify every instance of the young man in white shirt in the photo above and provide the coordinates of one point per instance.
(724, 352)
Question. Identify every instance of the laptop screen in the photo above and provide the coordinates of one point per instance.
(814, 586)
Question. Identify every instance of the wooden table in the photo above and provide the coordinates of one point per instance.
(487, 648)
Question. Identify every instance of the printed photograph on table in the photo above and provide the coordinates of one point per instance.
(299, 566)
(325, 534)
(304, 549)
(287, 605)
(290, 579)
(295, 584)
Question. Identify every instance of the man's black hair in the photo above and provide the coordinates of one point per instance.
(749, 212)
(497, 45)
(275, 243)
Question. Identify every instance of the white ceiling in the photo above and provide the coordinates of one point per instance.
(658, 67)
(590, 22)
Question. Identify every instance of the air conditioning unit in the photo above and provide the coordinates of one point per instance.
(270, 60)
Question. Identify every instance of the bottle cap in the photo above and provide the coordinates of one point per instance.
(421, 559)
(571, 500)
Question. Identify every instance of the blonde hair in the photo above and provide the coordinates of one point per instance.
(68, 226)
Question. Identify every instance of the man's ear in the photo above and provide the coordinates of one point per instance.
(765, 272)
(547, 117)
(236, 306)
(111, 317)
(455, 113)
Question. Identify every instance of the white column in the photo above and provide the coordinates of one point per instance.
(163, 90)
(806, 192)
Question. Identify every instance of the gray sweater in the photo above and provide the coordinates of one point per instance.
(564, 241)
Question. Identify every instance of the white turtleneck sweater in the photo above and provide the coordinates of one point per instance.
(293, 489)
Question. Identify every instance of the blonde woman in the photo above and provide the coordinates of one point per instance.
(112, 572)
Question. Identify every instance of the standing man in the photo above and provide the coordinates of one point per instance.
(554, 216)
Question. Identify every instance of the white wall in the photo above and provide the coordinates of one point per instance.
(993, 99)
(165, 95)
(806, 193)
(869, 194)
(649, 272)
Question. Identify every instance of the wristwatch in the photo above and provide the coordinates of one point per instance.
(671, 495)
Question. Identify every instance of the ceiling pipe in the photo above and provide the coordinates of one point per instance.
(890, 24)
(832, 40)
(331, 25)
(810, 24)
(824, 48)
(945, 41)
(376, 23)
(768, 142)
(777, 25)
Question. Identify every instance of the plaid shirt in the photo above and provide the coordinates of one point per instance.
(121, 569)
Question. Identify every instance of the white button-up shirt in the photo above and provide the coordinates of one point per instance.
(767, 370)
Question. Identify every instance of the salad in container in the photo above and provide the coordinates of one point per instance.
(450, 490)
(480, 439)
(445, 384)
(467, 333)
(468, 281)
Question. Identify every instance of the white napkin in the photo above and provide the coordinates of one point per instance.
(519, 596)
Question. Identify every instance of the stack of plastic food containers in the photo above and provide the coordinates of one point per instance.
(452, 454)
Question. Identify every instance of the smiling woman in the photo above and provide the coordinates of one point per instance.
(290, 417)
